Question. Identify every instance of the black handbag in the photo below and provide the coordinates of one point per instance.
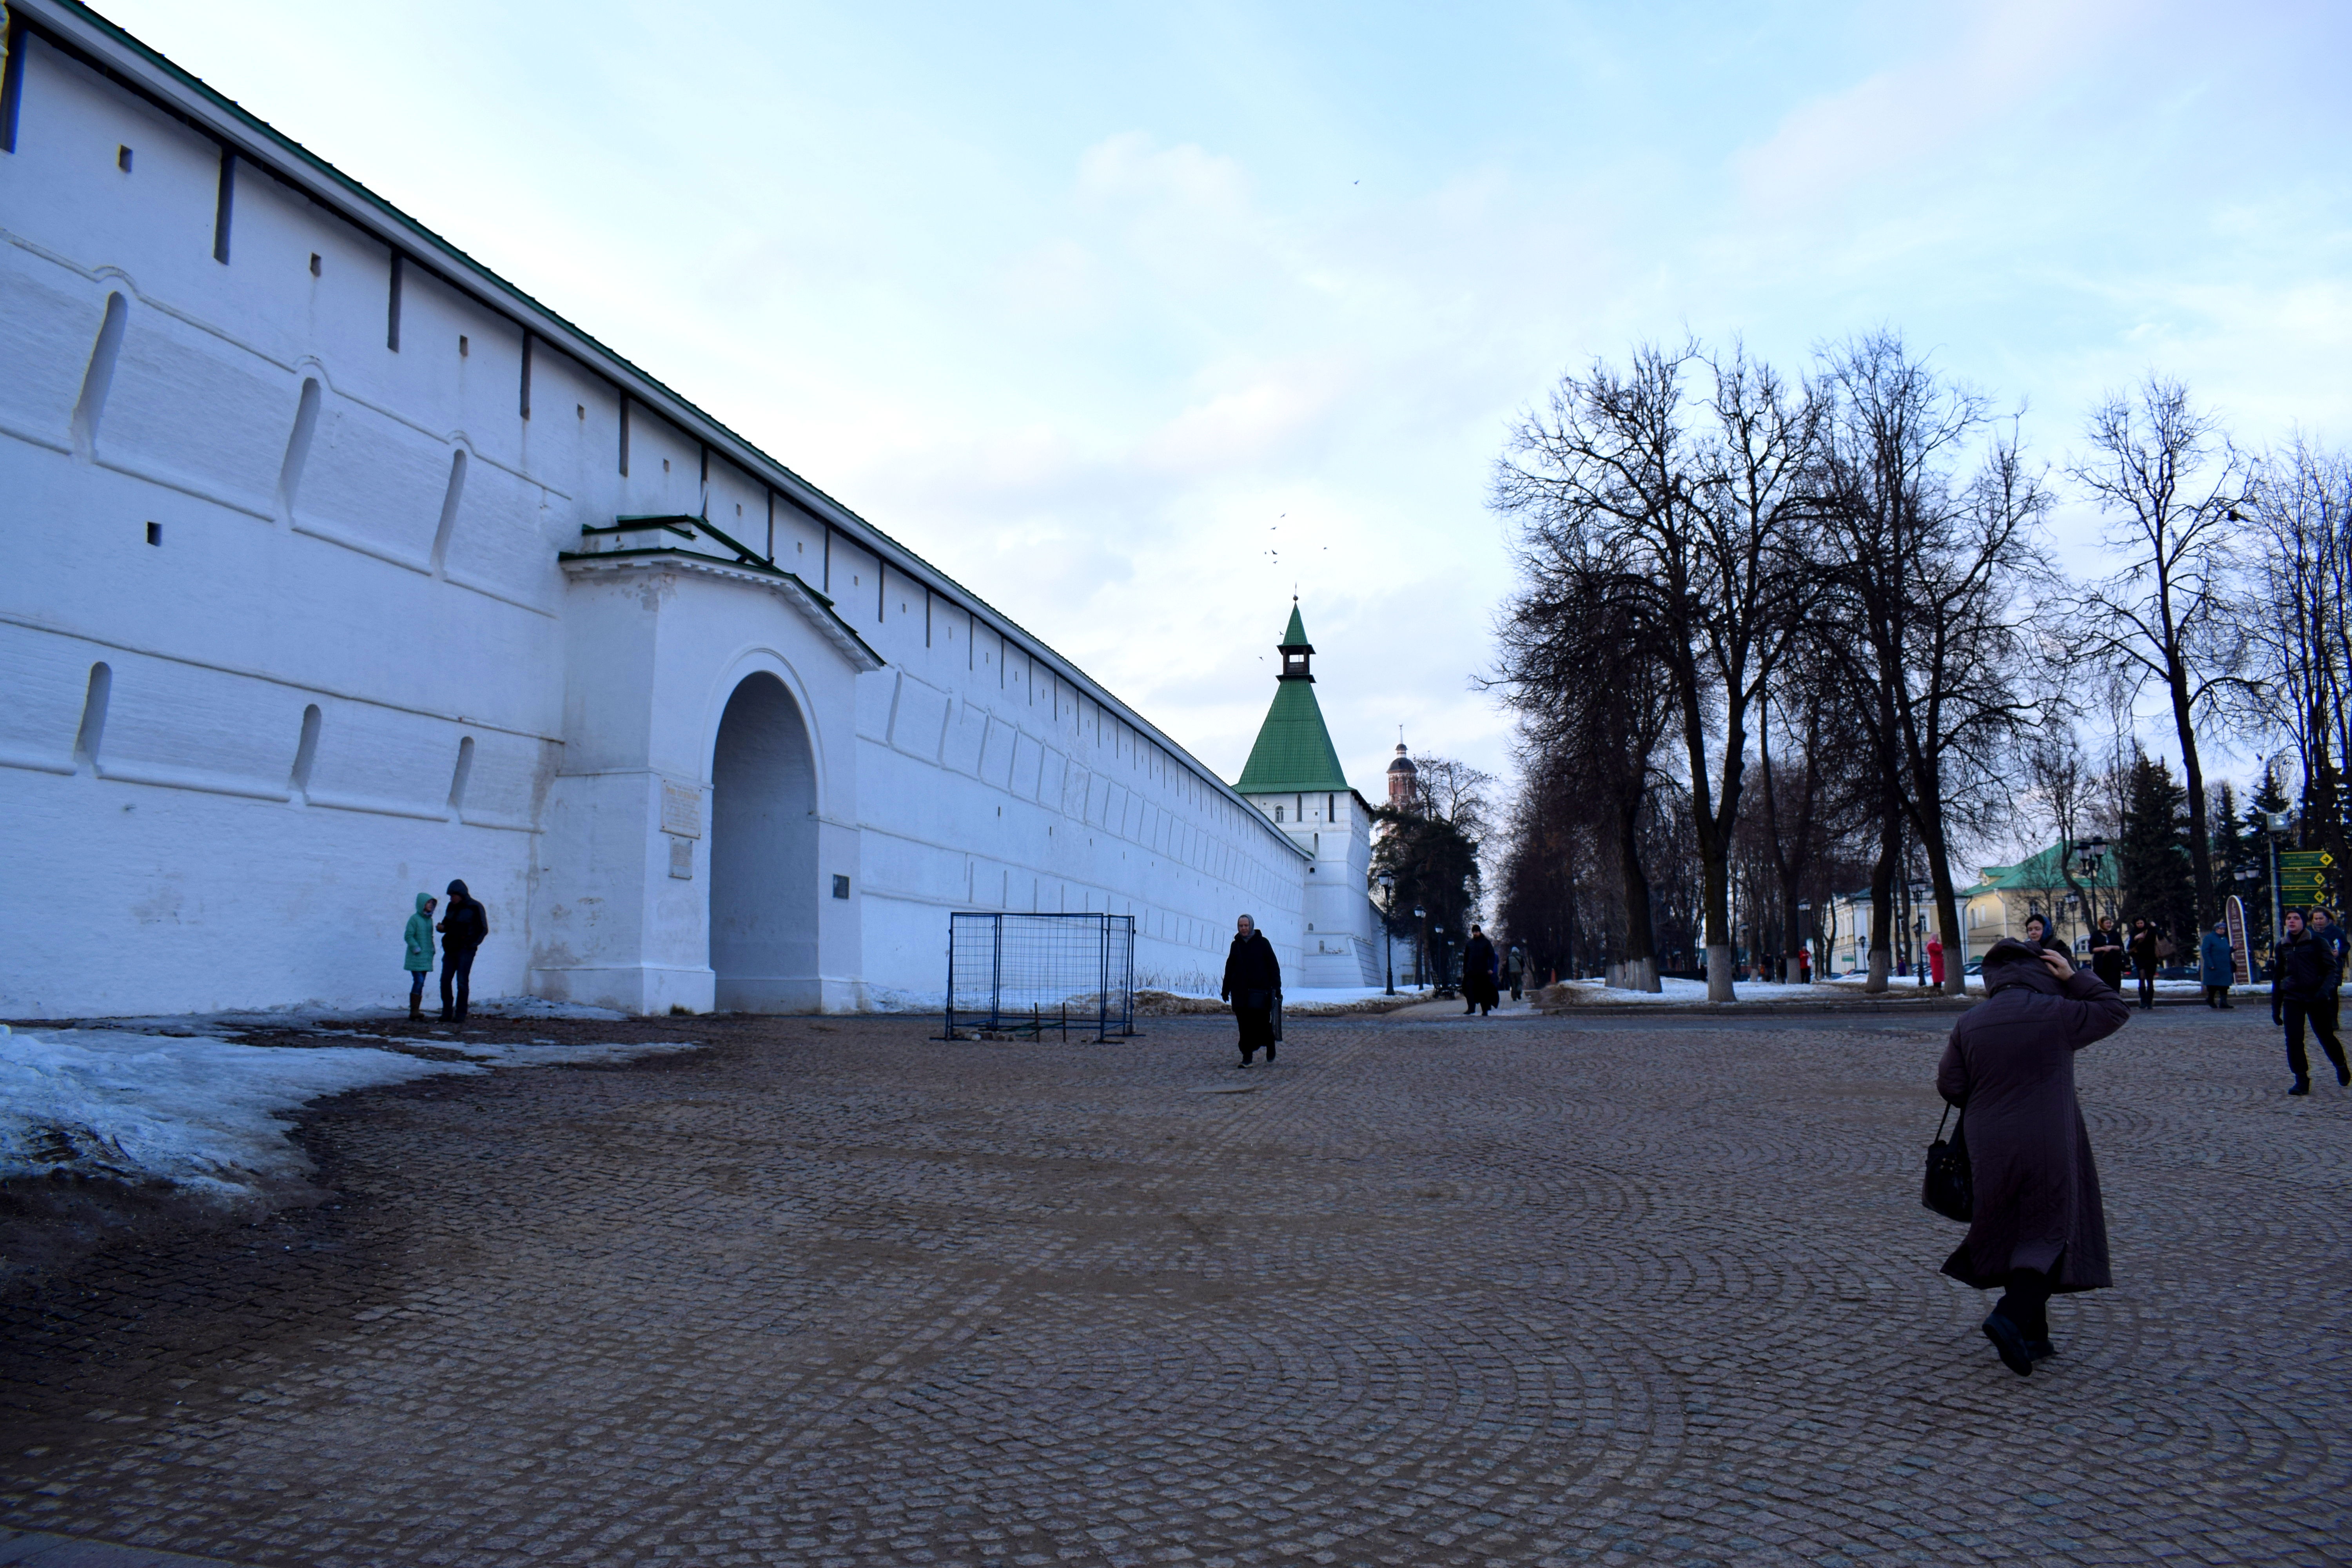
(1950, 1188)
(1274, 1018)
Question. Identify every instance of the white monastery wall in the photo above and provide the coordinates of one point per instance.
(352, 666)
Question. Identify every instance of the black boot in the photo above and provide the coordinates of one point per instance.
(2301, 1086)
(2010, 1345)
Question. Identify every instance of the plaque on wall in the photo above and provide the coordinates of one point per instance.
(682, 859)
(681, 810)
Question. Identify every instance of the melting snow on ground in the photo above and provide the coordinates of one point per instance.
(205, 1113)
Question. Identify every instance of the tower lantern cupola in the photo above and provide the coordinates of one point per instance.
(1297, 651)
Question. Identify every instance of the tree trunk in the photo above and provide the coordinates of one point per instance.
(1641, 962)
(2201, 844)
(1882, 902)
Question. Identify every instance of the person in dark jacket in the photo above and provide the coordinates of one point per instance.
(2039, 1228)
(2145, 958)
(2304, 982)
(2217, 965)
(1478, 992)
(2324, 929)
(463, 930)
(2107, 953)
(1254, 986)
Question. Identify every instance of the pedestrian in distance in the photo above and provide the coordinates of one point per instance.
(1254, 986)
(1478, 993)
(2304, 982)
(2037, 933)
(2039, 1227)
(2143, 949)
(1514, 970)
(1935, 959)
(2217, 965)
(2107, 953)
(2322, 925)
(418, 961)
(463, 930)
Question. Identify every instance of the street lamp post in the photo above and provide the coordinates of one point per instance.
(2093, 856)
(1388, 913)
(1421, 960)
(1445, 986)
(1919, 930)
(2273, 824)
(1805, 934)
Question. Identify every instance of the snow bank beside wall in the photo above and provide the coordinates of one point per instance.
(202, 1114)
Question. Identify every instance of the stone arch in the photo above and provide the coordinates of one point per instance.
(763, 852)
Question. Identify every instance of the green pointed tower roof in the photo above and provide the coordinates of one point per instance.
(1294, 755)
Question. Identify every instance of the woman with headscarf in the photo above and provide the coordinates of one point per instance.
(2039, 1228)
(2217, 964)
(1254, 986)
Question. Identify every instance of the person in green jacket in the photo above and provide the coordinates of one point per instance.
(419, 937)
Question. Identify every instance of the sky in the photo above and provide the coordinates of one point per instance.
(1137, 319)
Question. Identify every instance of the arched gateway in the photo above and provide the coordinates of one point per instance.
(763, 853)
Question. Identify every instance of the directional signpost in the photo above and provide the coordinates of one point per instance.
(2305, 876)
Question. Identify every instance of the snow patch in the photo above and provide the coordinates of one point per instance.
(208, 1115)
(197, 1111)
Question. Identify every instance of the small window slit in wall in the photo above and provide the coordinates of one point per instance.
(155, 533)
(122, 159)
(463, 350)
(314, 264)
(306, 753)
(12, 84)
(525, 395)
(464, 771)
(297, 446)
(392, 310)
(93, 717)
(90, 408)
(224, 208)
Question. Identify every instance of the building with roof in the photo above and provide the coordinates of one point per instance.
(2003, 898)
(341, 566)
(1293, 778)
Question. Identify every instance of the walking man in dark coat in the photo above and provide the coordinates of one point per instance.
(1254, 986)
(2304, 983)
(463, 929)
(1478, 990)
(2039, 1227)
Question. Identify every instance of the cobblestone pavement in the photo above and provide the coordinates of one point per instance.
(1612, 1291)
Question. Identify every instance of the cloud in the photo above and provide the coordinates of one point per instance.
(1909, 114)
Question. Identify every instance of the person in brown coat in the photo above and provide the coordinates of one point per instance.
(2039, 1227)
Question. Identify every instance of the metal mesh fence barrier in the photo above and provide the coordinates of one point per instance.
(1023, 975)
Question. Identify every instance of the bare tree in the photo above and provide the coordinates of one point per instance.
(2169, 485)
(1929, 580)
(2299, 626)
(1693, 538)
(1594, 703)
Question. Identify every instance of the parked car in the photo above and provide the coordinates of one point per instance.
(2177, 971)
(1975, 968)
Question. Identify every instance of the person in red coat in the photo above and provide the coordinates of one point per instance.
(1935, 959)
